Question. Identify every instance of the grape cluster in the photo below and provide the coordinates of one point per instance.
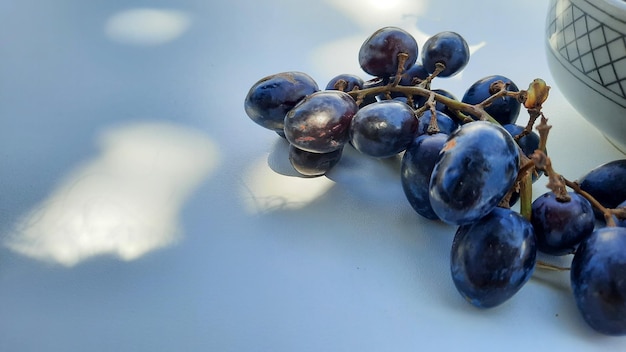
(464, 162)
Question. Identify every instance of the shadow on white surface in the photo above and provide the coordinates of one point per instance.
(123, 202)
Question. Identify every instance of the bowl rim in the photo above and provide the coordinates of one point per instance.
(619, 4)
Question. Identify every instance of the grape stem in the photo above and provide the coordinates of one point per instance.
(402, 57)
(606, 212)
(433, 125)
(547, 266)
(557, 183)
(499, 89)
(476, 110)
(543, 163)
(532, 99)
(423, 89)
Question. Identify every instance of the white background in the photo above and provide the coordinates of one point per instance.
(142, 210)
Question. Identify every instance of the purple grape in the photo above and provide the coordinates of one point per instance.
(320, 122)
(372, 83)
(415, 73)
(313, 164)
(352, 81)
(378, 55)
(505, 110)
(420, 100)
(561, 226)
(598, 279)
(477, 167)
(383, 129)
(448, 48)
(417, 165)
(270, 98)
(410, 77)
(443, 107)
(606, 183)
(493, 258)
(529, 143)
(446, 124)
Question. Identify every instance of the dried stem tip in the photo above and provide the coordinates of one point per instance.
(537, 94)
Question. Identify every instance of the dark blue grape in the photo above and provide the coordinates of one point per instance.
(477, 167)
(378, 55)
(560, 226)
(443, 107)
(606, 183)
(351, 82)
(410, 77)
(448, 48)
(493, 258)
(505, 110)
(320, 123)
(383, 129)
(417, 165)
(403, 99)
(269, 99)
(446, 124)
(420, 100)
(413, 75)
(313, 164)
(529, 143)
(375, 82)
(598, 279)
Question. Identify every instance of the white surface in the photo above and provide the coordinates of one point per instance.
(141, 210)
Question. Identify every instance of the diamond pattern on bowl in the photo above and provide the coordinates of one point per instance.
(593, 48)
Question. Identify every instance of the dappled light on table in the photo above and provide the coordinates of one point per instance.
(124, 202)
(265, 190)
(147, 26)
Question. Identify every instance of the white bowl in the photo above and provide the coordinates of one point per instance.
(586, 53)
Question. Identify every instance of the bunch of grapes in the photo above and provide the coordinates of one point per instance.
(465, 163)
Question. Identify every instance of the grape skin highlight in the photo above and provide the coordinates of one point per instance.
(448, 48)
(378, 55)
(383, 129)
(270, 98)
(477, 167)
(320, 122)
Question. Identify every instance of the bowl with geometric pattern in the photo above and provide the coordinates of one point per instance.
(586, 55)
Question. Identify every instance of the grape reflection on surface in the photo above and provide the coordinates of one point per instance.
(265, 190)
(146, 26)
(124, 202)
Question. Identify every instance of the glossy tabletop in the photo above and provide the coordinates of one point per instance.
(142, 210)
